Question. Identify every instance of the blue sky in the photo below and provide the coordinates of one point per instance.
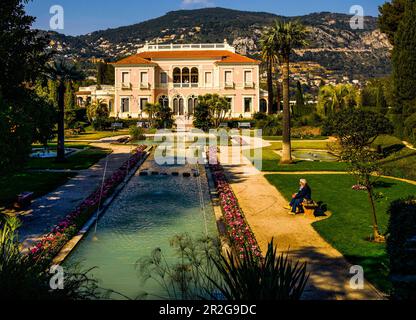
(84, 16)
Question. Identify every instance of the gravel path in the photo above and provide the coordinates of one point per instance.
(263, 206)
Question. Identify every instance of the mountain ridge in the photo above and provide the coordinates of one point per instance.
(333, 44)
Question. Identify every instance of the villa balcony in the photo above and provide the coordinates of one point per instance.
(249, 85)
(229, 85)
(126, 86)
(186, 85)
(145, 86)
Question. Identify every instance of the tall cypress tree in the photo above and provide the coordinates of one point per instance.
(381, 103)
(300, 100)
(404, 67)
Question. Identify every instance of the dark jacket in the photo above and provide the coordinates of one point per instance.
(304, 193)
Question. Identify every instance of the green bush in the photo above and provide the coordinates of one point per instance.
(312, 119)
(271, 126)
(410, 128)
(21, 278)
(401, 246)
(136, 133)
(274, 278)
(260, 116)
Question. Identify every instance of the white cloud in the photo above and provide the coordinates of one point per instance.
(191, 3)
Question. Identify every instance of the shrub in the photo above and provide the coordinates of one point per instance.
(137, 133)
(21, 278)
(260, 116)
(313, 119)
(202, 271)
(271, 125)
(273, 278)
(401, 247)
(305, 132)
(410, 128)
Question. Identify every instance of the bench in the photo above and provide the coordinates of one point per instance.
(310, 206)
(24, 200)
(116, 125)
(244, 125)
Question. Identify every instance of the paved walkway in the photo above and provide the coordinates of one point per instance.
(47, 211)
(263, 206)
(409, 145)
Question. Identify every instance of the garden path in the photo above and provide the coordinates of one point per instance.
(47, 211)
(409, 145)
(263, 206)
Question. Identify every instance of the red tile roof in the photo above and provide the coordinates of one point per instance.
(134, 59)
(83, 93)
(222, 57)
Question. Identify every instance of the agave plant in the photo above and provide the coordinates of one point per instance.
(274, 277)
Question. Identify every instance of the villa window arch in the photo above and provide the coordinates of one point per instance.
(192, 104)
(177, 77)
(194, 77)
(185, 77)
(164, 101)
(178, 106)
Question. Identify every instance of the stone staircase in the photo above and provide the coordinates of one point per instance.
(184, 124)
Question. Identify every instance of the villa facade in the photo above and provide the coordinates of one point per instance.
(176, 74)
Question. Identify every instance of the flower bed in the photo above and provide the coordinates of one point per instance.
(239, 232)
(50, 245)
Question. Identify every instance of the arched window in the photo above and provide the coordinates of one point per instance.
(186, 77)
(178, 106)
(175, 106)
(194, 77)
(181, 107)
(177, 77)
(164, 101)
(192, 104)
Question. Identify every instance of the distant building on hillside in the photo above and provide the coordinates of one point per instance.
(91, 94)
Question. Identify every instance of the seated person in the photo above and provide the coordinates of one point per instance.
(305, 192)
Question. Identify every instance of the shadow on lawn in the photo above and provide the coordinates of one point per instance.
(384, 184)
(392, 160)
(330, 275)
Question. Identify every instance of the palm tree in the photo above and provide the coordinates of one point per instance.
(62, 72)
(269, 55)
(333, 98)
(286, 36)
(151, 109)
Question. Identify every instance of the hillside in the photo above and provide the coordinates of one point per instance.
(332, 43)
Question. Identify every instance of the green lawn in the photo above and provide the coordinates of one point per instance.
(350, 223)
(387, 142)
(271, 162)
(97, 135)
(39, 183)
(302, 144)
(279, 138)
(401, 164)
(79, 161)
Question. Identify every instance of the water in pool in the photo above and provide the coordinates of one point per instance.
(146, 215)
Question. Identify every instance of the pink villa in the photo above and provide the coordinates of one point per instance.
(176, 74)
